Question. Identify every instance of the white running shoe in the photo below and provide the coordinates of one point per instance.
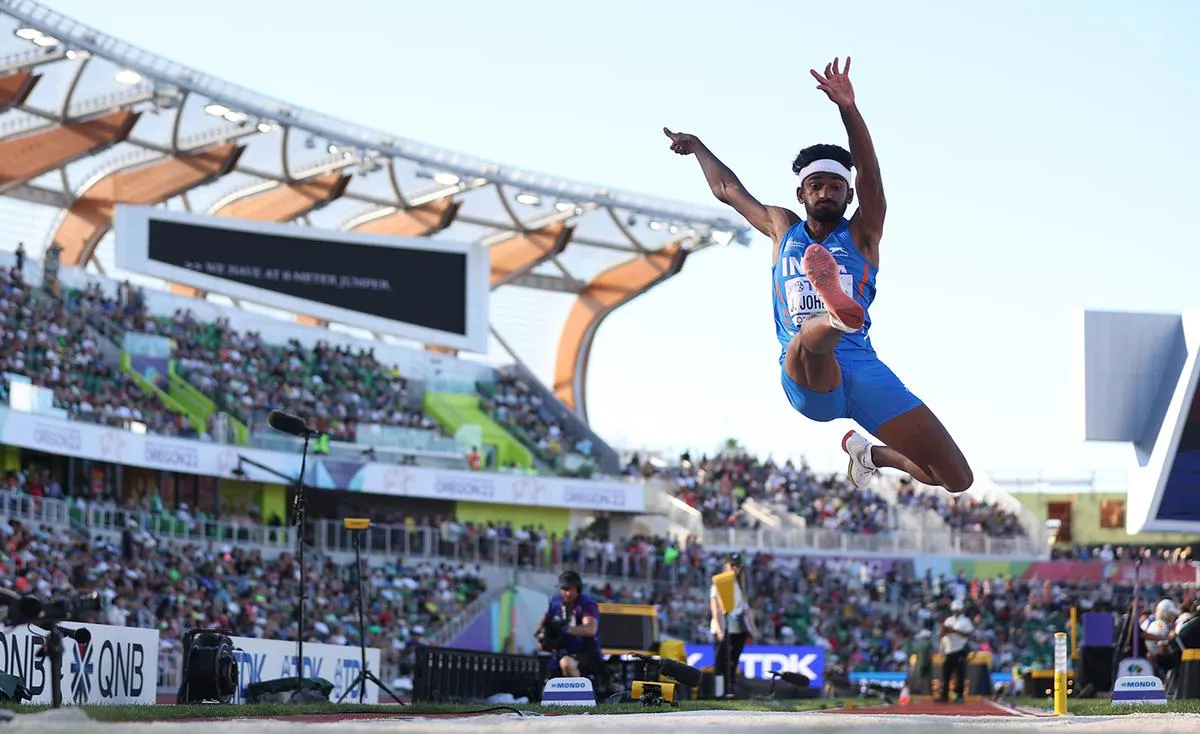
(861, 467)
(837, 324)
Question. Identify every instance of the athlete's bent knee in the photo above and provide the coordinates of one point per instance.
(959, 479)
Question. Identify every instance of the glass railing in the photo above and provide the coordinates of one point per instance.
(362, 453)
(401, 437)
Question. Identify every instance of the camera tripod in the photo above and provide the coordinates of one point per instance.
(358, 526)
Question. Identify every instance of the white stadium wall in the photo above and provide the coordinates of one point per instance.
(1138, 382)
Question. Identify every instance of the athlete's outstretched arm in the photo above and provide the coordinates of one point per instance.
(868, 184)
(773, 221)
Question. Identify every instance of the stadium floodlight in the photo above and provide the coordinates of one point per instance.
(45, 41)
(656, 225)
(265, 127)
(722, 236)
(29, 34)
(529, 199)
(216, 110)
(446, 179)
(128, 76)
(237, 118)
(567, 206)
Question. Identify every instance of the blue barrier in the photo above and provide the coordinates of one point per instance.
(897, 679)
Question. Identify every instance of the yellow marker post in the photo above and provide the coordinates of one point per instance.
(1060, 673)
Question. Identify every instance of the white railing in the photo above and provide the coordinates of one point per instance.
(660, 501)
(34, 511)
(763, 514)
(394, 541)
(112, 520)
(801, 541)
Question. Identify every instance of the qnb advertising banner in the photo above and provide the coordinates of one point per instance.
(118, 666)
(260, 660)
(759, 661)
(114, 445)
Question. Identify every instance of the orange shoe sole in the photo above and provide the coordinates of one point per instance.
(822, 270)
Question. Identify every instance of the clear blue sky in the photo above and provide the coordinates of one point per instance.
(1039, 159)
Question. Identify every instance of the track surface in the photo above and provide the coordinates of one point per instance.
(979, 707)
(950, 718)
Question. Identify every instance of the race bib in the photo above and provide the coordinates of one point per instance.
(802, 298)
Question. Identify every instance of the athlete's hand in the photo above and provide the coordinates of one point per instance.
(683, 143)
(836, 84)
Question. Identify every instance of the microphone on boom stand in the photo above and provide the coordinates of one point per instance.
(295, 426)
(292, 424)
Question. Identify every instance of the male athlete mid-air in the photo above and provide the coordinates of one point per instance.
(824, 282)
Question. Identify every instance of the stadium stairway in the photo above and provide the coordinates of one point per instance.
(606, 457)
(196, 403)
(482, 604)
(198, 423)
(456, 411)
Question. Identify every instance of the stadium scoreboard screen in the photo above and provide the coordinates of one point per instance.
(431, 291)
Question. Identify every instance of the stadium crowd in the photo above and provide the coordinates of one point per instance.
(867, 614)
(1109, 553)
(718, 486)
(47, 340)
(961, 512)
(870, 616)
(248, 377)
(145, 583)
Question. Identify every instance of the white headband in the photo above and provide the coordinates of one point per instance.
(825, 165)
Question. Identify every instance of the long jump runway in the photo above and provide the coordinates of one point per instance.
(848, 722)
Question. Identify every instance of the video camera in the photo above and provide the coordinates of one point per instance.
(32, 610)
(553, 632)
(23, 610)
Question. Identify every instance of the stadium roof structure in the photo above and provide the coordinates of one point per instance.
(88, 122)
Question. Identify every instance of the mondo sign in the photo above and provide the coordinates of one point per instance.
(118, 666)
(433, 291)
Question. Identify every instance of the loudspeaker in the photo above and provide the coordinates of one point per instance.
(1096, 668)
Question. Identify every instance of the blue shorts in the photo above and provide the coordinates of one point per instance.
(870, 393)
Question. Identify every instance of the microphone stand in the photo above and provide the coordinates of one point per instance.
(300, 517)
